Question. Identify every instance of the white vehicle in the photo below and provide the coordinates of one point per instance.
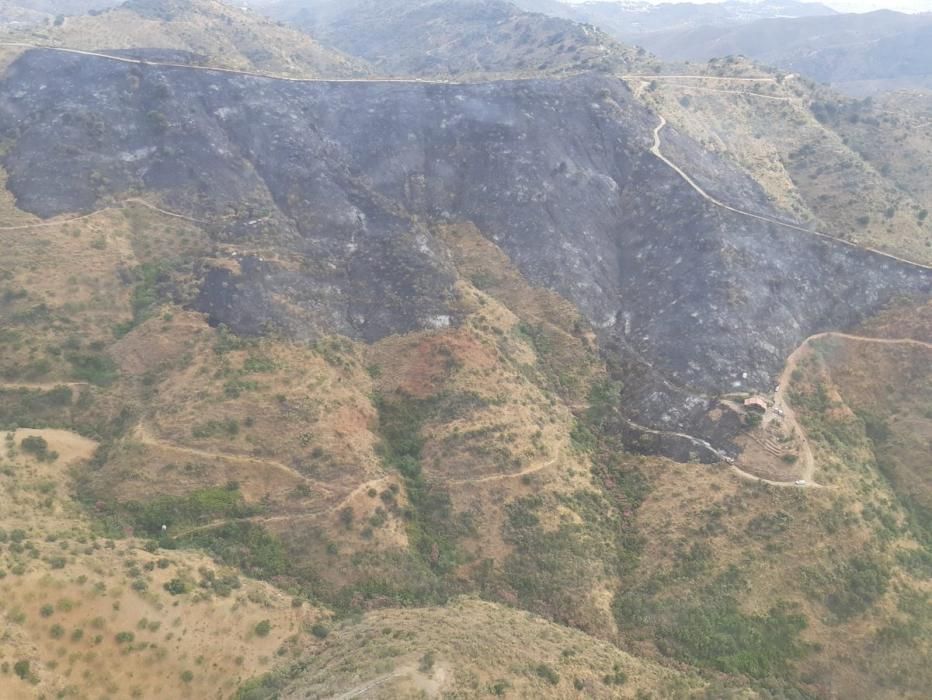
(800, 482)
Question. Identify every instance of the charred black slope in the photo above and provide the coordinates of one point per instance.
(694, 299)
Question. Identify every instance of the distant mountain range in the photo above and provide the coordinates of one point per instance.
(37, 12)
(451, 36)
(628, 20)
(859, 53)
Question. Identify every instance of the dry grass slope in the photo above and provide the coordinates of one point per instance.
(222, 34)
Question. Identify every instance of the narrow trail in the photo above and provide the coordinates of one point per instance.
(511, 475)
(724, 457)
(143, 436)
(729, 460)
(256, 519)
(789, 415)
(50, 386)
(781, 403)
(231, 71)
(730, 92)
(868, 339)
(373, 81)
(165, 212)
(310, 514)
(288, 517)
(360, 690)
(98, 212)
(57, 222)
(655, 150)
(780, 400)
(648, 76)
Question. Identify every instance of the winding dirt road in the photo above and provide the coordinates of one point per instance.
(731, 92)
(119, 207)
(373, 80)
(228, 71)
(780, 401)
(289, 517)
(142, 435)
(50, 386)
(533, 469)
(655, 150)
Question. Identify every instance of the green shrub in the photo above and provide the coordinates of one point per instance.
(180, 512)
(246, 545)
(616, 677)
(38, 447)
(717, 634)
(547, 672)
(214, 428)
(259, 364)
(862, 580)
(22, 669)
(263, 628)
(176, 586)
(499, 687)
(94, 369)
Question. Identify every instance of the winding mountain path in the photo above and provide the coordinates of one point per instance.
(648, 76)
(33, 386)
(533, 469)
(726, 458)
(98, 212)
(655, 150)
(780, 402)
(775, 98)
(227, 71)
(373, 80)
(364, 688)
(287, 517)
(143, 436)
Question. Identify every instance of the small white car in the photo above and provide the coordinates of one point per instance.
(800, 482)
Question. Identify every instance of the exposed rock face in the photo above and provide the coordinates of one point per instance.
(692, 299)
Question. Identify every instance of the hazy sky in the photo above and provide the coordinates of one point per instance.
(843, 5)
(867, 5)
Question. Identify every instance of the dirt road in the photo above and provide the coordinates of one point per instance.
(143, 436)
(511, 475)
(655, 150)
(98, 212)
(779, 399)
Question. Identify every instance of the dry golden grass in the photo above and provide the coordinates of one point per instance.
(66, 594)
(226, 36)
(476, 647)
